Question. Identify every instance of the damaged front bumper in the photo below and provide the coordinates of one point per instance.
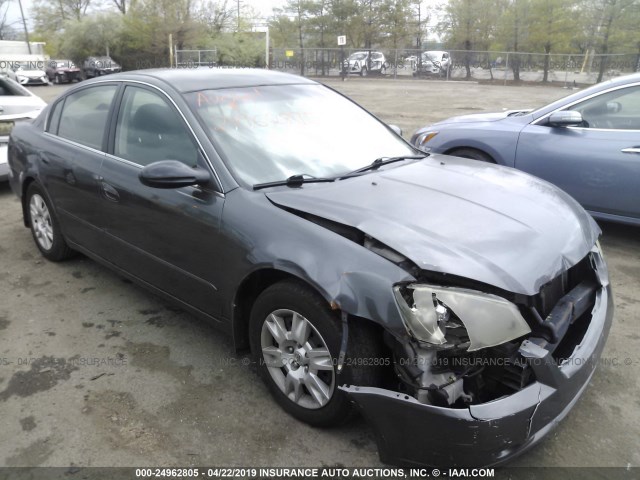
(410, 433)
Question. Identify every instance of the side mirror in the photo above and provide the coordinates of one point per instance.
(172, 174)
(614, 107)
(566, 118)
(396, 129)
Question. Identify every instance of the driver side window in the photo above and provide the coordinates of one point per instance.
(149, 129)
(619, 110)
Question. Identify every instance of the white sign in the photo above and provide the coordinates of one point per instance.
(342, 40)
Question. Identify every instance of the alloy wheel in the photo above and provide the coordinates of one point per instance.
(298, 359)
(41, 221)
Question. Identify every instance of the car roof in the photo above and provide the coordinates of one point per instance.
(204, 78)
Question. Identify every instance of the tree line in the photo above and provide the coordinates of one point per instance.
(136, 32)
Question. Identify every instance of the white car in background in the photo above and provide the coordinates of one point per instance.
(28, 74)
(17, 104)
(364, 63)
(434, 62)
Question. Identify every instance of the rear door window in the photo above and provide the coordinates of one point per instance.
(85, 114)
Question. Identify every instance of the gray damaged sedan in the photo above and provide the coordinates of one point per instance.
(460, 306)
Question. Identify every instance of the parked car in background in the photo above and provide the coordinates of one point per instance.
(433, 63)
(364, 63)
(62, 71)
(17, 104)
(28, 73)
(588, 144)
(436, 293)
(7, 72)
(98, 66)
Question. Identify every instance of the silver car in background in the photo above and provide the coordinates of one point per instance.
(17, 104)
(588, 144)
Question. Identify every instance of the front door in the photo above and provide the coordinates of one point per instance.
(598, 163)
(167, 237)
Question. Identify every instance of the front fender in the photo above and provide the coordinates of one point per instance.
(345, 273)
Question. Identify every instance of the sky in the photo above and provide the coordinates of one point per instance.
(264, 7)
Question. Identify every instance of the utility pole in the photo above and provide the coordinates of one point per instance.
(24, 24)
(238, 27)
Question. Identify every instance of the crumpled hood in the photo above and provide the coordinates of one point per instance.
(481, 117)
(476, 220)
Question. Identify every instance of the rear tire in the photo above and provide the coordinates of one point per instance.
(295, 339)
(473, 154)
(44, 225)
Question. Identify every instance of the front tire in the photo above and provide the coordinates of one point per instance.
(44, 225)
(295, 339)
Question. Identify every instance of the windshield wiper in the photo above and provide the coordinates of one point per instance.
(379, 162)
(292, 181)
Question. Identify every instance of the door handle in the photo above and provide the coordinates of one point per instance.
(109, 192)
(631, 150)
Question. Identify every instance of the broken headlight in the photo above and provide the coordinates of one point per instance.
(429, 311)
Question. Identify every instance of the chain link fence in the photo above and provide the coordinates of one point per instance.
(504, 67)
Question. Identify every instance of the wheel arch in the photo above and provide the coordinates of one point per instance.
(23, 198)
(484, 151)
(502, 152)
(248, 291)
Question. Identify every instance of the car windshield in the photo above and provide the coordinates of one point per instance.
(270, 133)
(432, 57)
(61, 63)
(358, 56)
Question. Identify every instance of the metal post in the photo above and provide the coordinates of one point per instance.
(170, 50)
(395, 66)
(506, 68)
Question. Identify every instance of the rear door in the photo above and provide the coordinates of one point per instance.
(599, 163)
(167, 237)
(76, 134)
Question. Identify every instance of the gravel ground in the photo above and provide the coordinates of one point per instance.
(169, 390)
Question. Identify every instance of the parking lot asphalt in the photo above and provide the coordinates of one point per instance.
(95, 371)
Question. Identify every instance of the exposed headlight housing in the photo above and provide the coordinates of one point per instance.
(489, 320)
